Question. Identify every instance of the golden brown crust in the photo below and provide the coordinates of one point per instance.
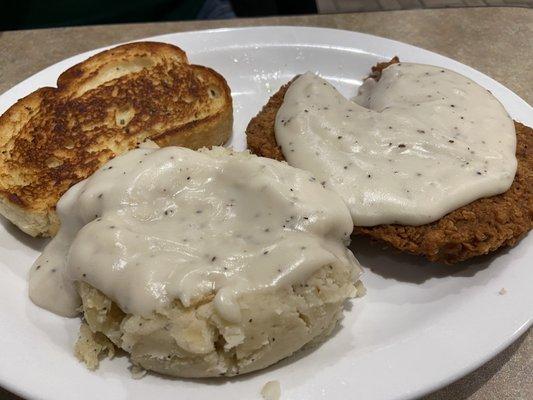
(260, 134)
(475, 229)
(379, 67)
(102, 107)
(150, 52)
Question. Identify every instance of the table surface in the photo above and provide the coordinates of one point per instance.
(495, 41)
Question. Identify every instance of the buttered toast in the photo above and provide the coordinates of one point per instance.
(102, 107)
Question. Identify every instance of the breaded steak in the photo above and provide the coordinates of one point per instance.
(475, 229)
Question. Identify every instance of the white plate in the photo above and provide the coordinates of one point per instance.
(419, 327)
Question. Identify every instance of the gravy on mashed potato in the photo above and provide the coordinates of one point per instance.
(155, 225)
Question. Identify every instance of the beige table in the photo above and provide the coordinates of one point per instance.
(496, 41)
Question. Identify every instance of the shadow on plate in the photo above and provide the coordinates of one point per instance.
(21, 237)
(390, 263)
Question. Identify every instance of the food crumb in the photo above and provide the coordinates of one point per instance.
(137, 372)
(271, 390)
(502, 291)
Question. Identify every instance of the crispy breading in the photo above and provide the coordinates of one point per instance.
(477, 228)
(260, 133)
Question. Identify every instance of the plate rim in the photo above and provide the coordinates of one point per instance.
(166, 37)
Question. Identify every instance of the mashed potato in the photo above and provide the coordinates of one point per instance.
(198, 263)
(196, 342)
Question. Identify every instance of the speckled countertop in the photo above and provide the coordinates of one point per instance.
(495, 41)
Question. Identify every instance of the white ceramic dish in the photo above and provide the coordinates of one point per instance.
(420, 326)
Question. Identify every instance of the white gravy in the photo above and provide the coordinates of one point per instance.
(156, 225)
(419, 143)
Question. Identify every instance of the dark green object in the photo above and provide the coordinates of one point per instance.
(28, 14)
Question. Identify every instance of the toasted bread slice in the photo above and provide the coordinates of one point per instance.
(102, 107)
(478, 228)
